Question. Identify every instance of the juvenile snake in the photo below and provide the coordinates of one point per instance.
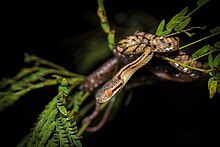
(141, 43)
(136, 51)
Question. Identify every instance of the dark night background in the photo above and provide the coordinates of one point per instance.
(172, 113)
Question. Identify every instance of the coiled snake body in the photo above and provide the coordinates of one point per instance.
(140, 43)
(136, 51)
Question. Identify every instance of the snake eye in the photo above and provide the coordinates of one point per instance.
(108, 93)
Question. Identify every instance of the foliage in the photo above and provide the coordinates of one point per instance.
(54, 127)
(177, 24)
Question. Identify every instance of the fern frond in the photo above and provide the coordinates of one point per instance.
(54, 127)
(67, 132)
(45, 125)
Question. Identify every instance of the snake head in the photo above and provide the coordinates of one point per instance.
(130, 45)
(108, 90)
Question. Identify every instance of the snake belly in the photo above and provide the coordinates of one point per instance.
(112, 87)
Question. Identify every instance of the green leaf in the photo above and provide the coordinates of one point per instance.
(182, 25)
(160, 27)
(210, 81)
(47, 132)
(63, 87)
(77, 143)
(171, 25)
(201, 51)
(210, 61)
(189, 34)
(65, 91)
(217, 76)
(176, 18)
(62, 110)
(183, 12)
(218, 87)
(202, 2)
(212, 86)
(175, 22)
(213, 49)
(217, 44)
(215, 30)
(164, 33)
(216, 61)
(180, 19)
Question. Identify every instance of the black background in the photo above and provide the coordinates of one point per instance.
(164, 114)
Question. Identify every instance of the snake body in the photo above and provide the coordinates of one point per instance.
(100, 75)
(136, 51)
(141, 43)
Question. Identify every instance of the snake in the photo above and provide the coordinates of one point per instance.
(142, 44)
(100, 75)
(136, 51)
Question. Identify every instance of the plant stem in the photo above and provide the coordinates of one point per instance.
(187, 45)
(185, 31)
(184, 65)
(200, 56)
(39, 60)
